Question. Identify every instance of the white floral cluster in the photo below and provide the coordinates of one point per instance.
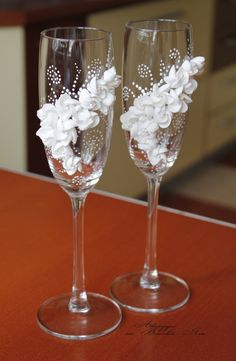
(153, 110)
(59, 121)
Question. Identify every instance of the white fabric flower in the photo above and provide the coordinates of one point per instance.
(88, 100)
(178, 101)
(144, 105)
(47, 135)
(177, 79)
(143, 128)
(157, 154)
(154, 109)
(60, 151)
(59, 122)
(197, 64)
(185, 100)
(141, 111)
(194, 66)
(110, 78)
(56, 126)
(71, 164)
(147, 142)
(163, 116)
(128, 119)
(99, 93)
(47, 114)
(159, 94)
(106, 99)
(86, 119)
(190, 87)
(173, 100)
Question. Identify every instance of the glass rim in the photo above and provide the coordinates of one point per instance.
(131, 24)
(107, 33)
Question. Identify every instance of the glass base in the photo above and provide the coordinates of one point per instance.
(172, 293)
(55, 318)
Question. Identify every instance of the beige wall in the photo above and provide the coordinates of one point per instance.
(12, 99)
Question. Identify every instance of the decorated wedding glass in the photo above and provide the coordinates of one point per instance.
(158, 82)
(77, 80)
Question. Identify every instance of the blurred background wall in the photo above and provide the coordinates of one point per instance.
(212, 119)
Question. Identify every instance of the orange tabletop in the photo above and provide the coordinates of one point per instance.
(36, 263)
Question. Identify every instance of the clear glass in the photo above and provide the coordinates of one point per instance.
(151, 48)
(69, 60)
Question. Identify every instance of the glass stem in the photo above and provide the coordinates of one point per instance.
(149, 277)
(78, 301)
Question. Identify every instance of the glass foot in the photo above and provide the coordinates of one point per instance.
(55, 318)
(172, 293)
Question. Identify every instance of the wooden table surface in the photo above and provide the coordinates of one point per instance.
(36, 263)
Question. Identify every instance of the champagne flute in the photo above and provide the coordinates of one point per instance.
(158, 70)
(77, 80)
